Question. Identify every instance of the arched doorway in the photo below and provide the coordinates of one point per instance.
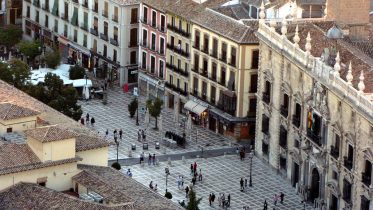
(315, 185)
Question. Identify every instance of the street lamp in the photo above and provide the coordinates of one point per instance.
(251, 155)
(167, 171)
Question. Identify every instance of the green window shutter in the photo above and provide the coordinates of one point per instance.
(74, 19)
(86, 20)
(55, 8)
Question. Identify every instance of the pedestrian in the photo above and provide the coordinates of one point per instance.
(143, 135)
(191, 169)
(275, 200)
(195, 167)
(153, 158)
(149, 159)
(156, 187)
(129, 173)
(241, 184)
(87, 118)
(265, 204)
(182, 181)
(200, 175)
(194, 180)
(82, 121)
(213, 197)
(229, 200)
(93, 121)
(94, 71)
(138, 136)
(120, 134)
(186, 191)
(223, 200)
(219, 199)
(115, 132)
(245, 183)
(105, 85)
(106, 133)
(178, 182)
(282, 195)
(151, 185)
(210, 199)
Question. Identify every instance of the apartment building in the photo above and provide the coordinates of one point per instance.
(96, 34)
(315, 112)
(152, 48)
(10, 12)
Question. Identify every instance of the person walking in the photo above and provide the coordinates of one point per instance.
(93, 121)
(241, 184)
(219, 199)
(210, 199)
(151, 185)
(245, 183)
(282, 195)
(213, 197)
(178, 182)
(195, 167)
(143, 135)
(120, 134)
(87, 118)
(153, 159)
(194, 180)
(115, 133)
(149, 159)
(156, 187)
(223, 200)
(82, 121)
(229, 200)
(265, 204)
(138, 135)
(187, 192)
(200, 175)
(182, 181)
(107, 133)
(191, 169)
(275, 200)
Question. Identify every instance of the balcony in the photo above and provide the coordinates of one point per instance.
(366, 178)
(316, 138)
(115, 18)
(162, 29)
(65, 16)
(334, 152)
(105, 13)
(177, 70)
(266, 98)
(114, 42)
(284, 111)
(178, 30)
(132, 44)
(205, 49)
(76, 1)
(214, 53)
(347, 162)
(176, 89)
(45, 7)
(296, 121)
(104, 36)
(196, 45)
(232, 62)
(94, 31)
(36, 3)
(178, 51)
(195, 69)
(223, 57)
(95, 8)
(85, 4)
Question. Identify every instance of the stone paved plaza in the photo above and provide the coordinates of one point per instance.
(222, 175)
(115, 115)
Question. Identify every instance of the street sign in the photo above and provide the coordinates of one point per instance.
(135, 91)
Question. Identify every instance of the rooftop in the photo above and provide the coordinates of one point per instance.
(32, 196)
(9, 111)
(50, 133)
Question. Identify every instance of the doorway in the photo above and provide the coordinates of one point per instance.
(295, 179)
(333, 203)
(315, 185)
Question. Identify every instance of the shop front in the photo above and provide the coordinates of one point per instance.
(79, 55)
(198, 112)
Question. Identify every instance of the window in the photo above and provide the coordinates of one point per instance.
(213, 71)
(37, 16)
(46, 21)
(204, 90)
(106, 28)
(285, 105)
(163, 23)
(253, 12)
(9, 130)
(144, 38)
(215, 48)
(133, 15)
(312, 11)
(334, 149)
(152, 64)
(145, 14)
(283, 137)
(297, 115)
(252, 106)
(347, 191)
(265, 124)
(222, 76)
(85, 40)
(253, 83)
(334, 175)
(105, 51)
(161, 46)
(348, 160)
(154, 19)
(196, 62)
(232, 81)
(171, 79)
(267, 94)
(55, 26)
(153, 41)
(255, 60)
(195, 85)
(172, 41)
(161, 68)
(196, 39)
(223, 56)
(28, 12)
(212, 94)
(115, 15)
(185, 87)
(114, 55)
(367, 174)
(143, 60)
(233, 57)
(365, 203)
(75, 36)
(206, 43)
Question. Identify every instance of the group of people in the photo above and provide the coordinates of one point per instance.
(151, 159)
(193, 171)
(243, 184)
(278, 197)
(141, 135)
(115, 134)
(88, 120)
(180, 182)
(223, 201)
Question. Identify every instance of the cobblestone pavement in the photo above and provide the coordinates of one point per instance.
(218, 177)
(115, 115)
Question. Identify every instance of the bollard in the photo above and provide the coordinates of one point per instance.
(183, 159)
(169, 161)
(129, 153)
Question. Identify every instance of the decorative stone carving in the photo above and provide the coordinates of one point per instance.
(285, 87)
(337, 65)
(349, 76)
(296, 38)
(361, 84)
(284, 29)
(268, 75)
(368, 154)
(334, 187)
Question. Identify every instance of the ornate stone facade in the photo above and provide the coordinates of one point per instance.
(313, 126)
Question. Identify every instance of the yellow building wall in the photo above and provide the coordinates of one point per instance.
(98, 157)
(18, 125)
(59, 150)
(36, 146)
(58, 177)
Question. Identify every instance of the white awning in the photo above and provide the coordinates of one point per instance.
(79, 48)
(195, 107)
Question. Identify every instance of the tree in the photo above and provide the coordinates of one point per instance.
(15, 72)
(116, 165)
(10, 35)
(168, 195)
(155, 108)
(76, 72)
(30, 49)
(193, 201)
(54, 86)
(132, 107)
(53, 59)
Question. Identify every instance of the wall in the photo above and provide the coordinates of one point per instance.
(94, 157)
(349, 12)
(59, 150)
(59, 177)
(17, 125)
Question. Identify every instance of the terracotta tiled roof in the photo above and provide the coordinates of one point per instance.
(50, 133)
(32, 196)
(88, 142)
(95, 183)
(19, 157)
(143, 197)
(11, 94)
(160, 5)
(127, 2)
(9, 111)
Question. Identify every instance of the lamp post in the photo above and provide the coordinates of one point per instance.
(137, 111)
(251, 155)
(167, 171)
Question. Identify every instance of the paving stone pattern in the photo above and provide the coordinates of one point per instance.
(115, 115)
(222, 175)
